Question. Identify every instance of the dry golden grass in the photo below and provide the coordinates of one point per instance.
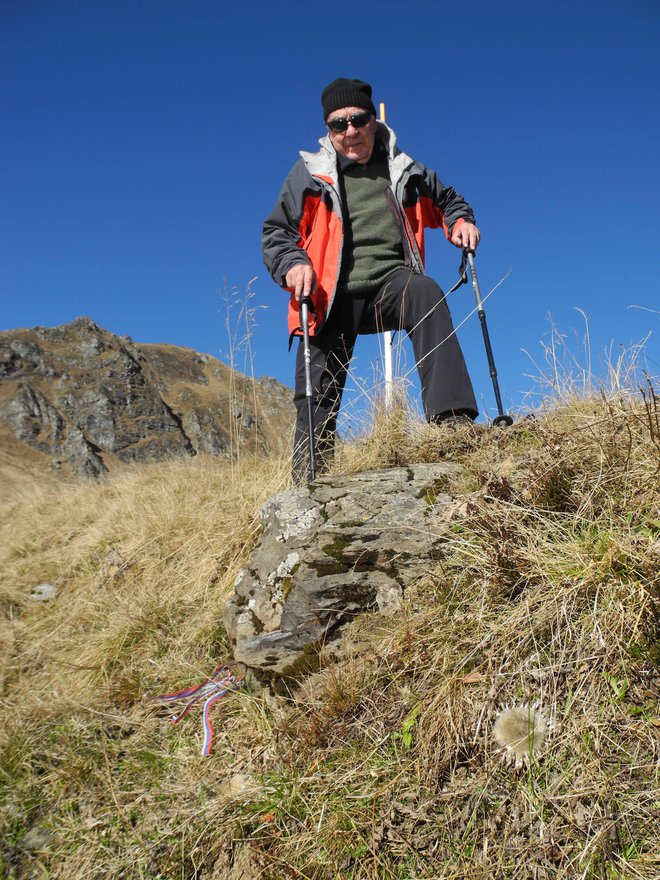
(384, 765)
(132, 558)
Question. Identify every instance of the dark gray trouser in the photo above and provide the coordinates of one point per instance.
(401, 304)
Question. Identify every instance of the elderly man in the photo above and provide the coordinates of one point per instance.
(348, 231)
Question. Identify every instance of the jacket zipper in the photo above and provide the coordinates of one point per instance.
(411, 258)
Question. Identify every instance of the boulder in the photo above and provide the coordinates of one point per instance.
(334, 549)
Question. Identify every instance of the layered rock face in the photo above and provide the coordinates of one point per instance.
(87, 398)
(331, 550)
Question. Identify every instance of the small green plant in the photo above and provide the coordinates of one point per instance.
(619, 685)
(406, 735)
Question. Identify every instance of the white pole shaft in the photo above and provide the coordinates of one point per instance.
(387, 335)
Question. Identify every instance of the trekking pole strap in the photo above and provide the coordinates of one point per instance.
(297, 331)
(462, 272)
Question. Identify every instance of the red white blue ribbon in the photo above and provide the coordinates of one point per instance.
(213, 689)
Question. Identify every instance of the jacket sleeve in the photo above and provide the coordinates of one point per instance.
(284, 229)
(443, 205)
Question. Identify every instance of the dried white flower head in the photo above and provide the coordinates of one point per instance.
(520, 731)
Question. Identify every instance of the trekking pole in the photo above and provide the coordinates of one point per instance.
(502, 420)
(387, 334)
(309, 393)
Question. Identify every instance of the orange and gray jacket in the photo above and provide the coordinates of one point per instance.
(306, 224)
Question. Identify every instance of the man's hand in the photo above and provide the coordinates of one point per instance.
(302, 279)
(466, 235)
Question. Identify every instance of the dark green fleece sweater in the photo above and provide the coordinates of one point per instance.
(372, 236)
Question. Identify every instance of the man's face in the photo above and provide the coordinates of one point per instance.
(354, 143)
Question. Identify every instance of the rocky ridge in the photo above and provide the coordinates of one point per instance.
(88, 399)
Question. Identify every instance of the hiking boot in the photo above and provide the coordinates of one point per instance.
(453, 420)
(456, 423)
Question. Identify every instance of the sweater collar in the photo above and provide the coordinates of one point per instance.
(379, 154)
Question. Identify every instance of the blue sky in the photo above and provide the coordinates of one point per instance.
(146, 140)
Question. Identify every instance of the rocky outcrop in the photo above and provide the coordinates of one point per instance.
(87, 397)
(339, 547)
(37, 422)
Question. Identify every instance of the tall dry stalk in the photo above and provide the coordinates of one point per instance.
(240, 320)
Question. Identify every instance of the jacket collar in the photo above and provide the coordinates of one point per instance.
(324, 163)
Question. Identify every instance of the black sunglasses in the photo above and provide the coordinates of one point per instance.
(357, 120)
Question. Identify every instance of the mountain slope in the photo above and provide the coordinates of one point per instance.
(503, 724)
(90, 400)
